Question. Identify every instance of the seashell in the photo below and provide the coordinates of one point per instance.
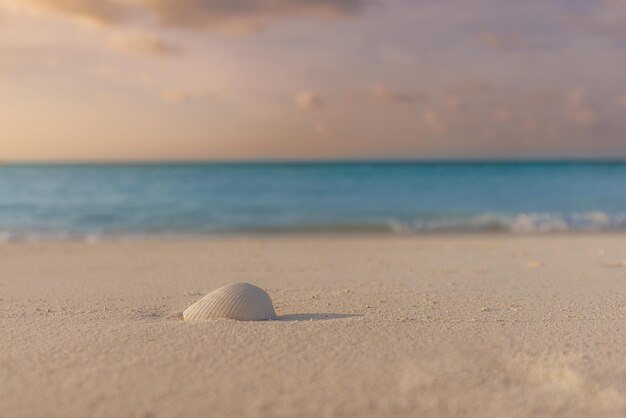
(241, 301)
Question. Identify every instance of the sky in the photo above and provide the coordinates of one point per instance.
(309, 79)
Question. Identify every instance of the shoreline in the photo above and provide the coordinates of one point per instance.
(61, 238)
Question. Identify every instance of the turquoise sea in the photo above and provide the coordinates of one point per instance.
(91, 201)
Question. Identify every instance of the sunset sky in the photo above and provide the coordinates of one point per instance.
(242, 79)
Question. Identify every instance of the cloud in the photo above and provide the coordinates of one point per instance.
(621, 101)
(470, 88)
(604, 17)
(452, 102)
(323, 129)
(309, 100)
(502, 115)
(143, 44)
(395, 97)
(461, 95)
(239, 15)
(527, 119)
(577, 111)
(101, 11)
(176, 96)
(244, 14)
(434, 122)
(501, 43)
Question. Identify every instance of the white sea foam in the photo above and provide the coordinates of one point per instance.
(523, 223)
(527, 223)
(538, 222)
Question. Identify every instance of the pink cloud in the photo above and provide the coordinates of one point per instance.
(309, 100)
(240, 15)
(576, 109)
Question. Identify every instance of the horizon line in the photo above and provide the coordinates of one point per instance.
(236, 161)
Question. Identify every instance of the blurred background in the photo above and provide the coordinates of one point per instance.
(388, 116)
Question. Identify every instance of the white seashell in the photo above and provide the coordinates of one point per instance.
(241, 301)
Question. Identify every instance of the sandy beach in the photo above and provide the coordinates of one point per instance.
(442, 326)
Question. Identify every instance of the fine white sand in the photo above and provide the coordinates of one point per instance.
(446, 326)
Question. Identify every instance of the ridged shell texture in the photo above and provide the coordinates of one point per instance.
(241, 301)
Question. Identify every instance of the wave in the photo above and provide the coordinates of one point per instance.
(523, 223)
(527, 223)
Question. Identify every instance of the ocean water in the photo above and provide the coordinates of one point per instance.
(91, 201)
